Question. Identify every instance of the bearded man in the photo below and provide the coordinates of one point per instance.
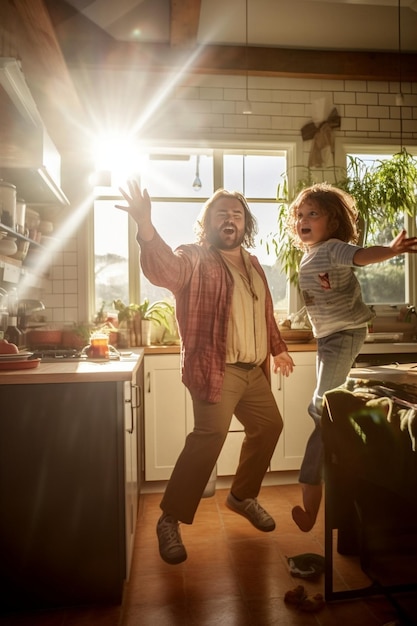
(228, 334)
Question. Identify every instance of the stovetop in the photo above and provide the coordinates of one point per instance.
(52, 354)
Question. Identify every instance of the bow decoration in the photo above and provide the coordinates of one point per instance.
(322, 136)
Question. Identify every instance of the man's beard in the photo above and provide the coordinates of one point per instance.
(214, 237)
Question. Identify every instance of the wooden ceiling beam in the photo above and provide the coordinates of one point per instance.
(214, 59)
(185, 18)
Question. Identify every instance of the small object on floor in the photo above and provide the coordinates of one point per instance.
(298, 597)
(312, 605)
(295, 596)
(309, 566)
(171, 548)
(253, 511)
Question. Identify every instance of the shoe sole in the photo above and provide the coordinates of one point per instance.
(261, 528)
(173, 561)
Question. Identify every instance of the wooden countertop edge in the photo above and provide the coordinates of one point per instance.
(74, 372)
(311, 346)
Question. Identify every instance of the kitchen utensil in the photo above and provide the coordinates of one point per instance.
(32, 223)
(46, 227)
(20, 216)
(22, 250)
(8, 246)
(7, 204)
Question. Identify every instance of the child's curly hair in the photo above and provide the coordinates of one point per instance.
(202, 227)
(334, 202)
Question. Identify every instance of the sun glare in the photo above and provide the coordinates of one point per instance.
(113, 151)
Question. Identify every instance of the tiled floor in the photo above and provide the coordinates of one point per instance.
(234, 575)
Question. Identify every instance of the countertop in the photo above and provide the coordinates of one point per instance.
(74, 371)
(310, 346)
(401, 374)
(372, 347)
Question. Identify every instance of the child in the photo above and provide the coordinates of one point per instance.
(322, 222)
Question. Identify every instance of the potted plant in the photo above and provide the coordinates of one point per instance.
(138, 318)
(383, 191)
(159, 312)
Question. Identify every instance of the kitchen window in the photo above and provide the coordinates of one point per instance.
(179, 182)
(388, 282)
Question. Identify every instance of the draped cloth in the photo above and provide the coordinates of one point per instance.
(323, 138)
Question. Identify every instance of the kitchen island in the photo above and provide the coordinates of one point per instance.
(369, 434)
(70, 461)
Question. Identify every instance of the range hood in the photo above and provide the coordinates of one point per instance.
(28, 157)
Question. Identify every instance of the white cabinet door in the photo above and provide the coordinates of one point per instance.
(167, 405)
(293, 395)
(169, 417)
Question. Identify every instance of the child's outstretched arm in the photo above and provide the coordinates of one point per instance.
(375, 254)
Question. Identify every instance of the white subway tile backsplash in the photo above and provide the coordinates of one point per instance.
(378, 111)
(70, 272)
(71, 286)
(356, 111)
(70, 258)
(367, 124)
(58, 286)
(391, 126)
(366, 98)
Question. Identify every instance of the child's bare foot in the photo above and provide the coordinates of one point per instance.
(302, 519)
(305, 518)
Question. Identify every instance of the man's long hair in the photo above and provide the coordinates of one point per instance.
(203, 228)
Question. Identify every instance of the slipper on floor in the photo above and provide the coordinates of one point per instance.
(295, 596)
(308, 566)
(312, 605)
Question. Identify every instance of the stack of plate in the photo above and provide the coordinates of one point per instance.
(19, 361)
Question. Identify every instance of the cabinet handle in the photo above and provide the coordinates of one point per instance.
(132, 407)
(279, 380)
(132, 423)
(136, 394)
(148, 376)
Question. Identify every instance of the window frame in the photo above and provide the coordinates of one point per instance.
(218, 149)
(343, 149)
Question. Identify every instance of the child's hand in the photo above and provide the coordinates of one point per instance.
(401, 243)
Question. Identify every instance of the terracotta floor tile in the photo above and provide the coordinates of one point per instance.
(234, 574)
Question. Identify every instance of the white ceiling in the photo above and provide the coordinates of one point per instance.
(306, 24)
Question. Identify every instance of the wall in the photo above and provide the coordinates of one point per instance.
(200, 108)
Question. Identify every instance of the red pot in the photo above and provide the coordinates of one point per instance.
(39, 338)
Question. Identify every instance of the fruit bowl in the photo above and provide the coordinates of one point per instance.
(296, 335)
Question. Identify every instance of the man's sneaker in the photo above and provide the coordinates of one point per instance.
(252, 510)
(171, 547)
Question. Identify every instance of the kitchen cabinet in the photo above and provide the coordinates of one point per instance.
(68, 487)
(133, 429)
(169, 417)
(293, 395)
(168, 414)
